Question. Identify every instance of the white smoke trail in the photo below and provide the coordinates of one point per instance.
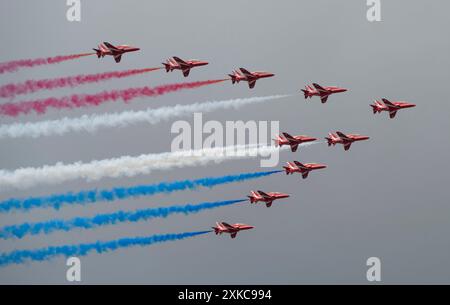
(128, 166)
(91, 123)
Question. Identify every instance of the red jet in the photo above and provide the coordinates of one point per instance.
(392, 107)
(268, 198)
(323, 92)
(223, 227)
(176, 63)
(304, 169)
(250, 77)
(116, 51)
(293, 141)
(344, 139)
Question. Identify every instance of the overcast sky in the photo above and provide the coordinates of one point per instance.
(386, 197)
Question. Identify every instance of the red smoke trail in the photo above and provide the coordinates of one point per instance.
(12, 66)
(30, 86)
(84, 100)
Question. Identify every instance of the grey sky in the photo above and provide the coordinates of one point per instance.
(387, 197)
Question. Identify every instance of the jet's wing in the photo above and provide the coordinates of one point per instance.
(392, 113)
(347, 145)
(263, 194)
(324, 99)
(294, 147)
(173, 62)
(299, 164)
(246, 72)
(110, 46)
(233, 235)
(237, 72)
(117, 58)
(288, 136)
(226, 225)
(342, 135)
(320, 88)
(180, 61)
(388, 103)
(186, 72)
(305, 174)
(251, 84)
(269, 204)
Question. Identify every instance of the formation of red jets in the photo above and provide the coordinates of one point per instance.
(241, 74)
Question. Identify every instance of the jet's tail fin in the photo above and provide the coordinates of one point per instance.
(374, 108)
(305, 92)
(98, 52)
(288, 170)
(233, 77)
(329, 139)
(167, 66)
(252, 199)
(275, 142)
(216, 230)
(308, 92)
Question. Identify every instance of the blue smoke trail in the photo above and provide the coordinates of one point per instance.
(21, 256)
(50, 226)
(120, 193)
